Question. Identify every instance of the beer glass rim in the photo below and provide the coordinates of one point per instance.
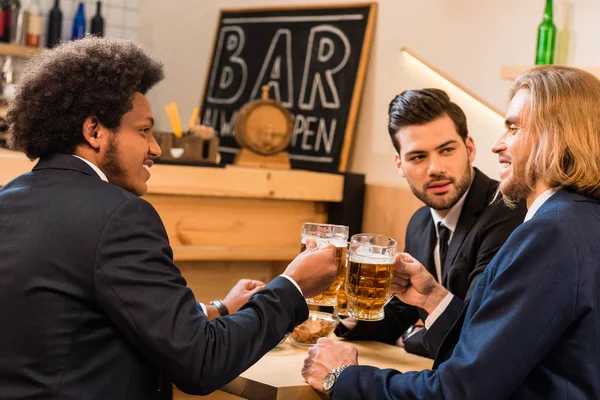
(323, 224)
(392, 241)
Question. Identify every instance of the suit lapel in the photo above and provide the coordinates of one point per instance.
(475, 203)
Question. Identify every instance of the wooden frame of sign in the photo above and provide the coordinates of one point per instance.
(314, 61)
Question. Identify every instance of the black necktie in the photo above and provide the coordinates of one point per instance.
(444, 235)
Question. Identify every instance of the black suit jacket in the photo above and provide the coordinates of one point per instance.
(92, 306)
(481, 230)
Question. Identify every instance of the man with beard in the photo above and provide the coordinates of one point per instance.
(93, 306)
(459, 230)
(530, 330)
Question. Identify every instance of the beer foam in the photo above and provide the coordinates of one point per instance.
(371, 258)
(321, 241)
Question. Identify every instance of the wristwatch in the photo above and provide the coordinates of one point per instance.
(331, 378)
(221, 307)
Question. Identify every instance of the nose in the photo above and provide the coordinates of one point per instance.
(436, 165)
(500, 144)
(154, 149)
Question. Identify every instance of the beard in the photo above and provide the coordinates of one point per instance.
(516, 188)
(111, 165)
(447, 201)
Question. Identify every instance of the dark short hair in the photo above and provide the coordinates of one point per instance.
(62, 87)
(418, 107)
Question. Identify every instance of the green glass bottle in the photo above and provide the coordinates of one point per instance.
(546, 37)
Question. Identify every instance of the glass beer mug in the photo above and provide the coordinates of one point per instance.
(369, 275)
(328, 234)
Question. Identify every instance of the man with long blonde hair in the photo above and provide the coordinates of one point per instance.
(531, 328)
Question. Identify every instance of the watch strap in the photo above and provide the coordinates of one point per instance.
(221, 307)
(336, 372)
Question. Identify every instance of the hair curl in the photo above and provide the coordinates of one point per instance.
(65, 85)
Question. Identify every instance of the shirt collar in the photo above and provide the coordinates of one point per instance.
(539, 201)
(451, 219)
(94, 167)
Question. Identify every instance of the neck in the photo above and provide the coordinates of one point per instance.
(537, 192)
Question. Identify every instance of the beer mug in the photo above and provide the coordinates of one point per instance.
(369, 276)
(328, 234)
(341, 308)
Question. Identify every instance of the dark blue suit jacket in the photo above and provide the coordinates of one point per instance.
(92, 306)
(480, 232)
(532, 327)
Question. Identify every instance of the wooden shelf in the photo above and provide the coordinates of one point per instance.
(14, 50)
(511, 72)
(234, 253)
(236, 182)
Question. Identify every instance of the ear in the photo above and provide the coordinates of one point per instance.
(398, 164)
(94, 132)
(471, 149)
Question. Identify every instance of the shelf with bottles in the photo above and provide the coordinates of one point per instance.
(511, 72)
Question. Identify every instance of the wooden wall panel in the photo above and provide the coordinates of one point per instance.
(388, 210)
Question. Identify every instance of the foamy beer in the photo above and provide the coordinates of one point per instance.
(336, 235)
(369, 276)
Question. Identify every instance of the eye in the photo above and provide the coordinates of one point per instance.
(512, 128)
(447, 150)
(146, 131)
(416, 158)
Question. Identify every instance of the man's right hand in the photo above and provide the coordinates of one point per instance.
(414, 285)
(314, 269)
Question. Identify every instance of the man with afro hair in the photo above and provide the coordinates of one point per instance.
(92, 305)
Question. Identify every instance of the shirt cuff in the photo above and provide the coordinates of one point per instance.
(289, 278)
(439, 310)
(202, 308)
(349, 323)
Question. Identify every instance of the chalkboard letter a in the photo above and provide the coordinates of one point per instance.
(327, 53)
(276, 70)
(229, 72)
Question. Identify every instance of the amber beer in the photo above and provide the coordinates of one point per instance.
(368, 289)
(342, 301)
(328, 234)
(369, 276)
(329, 296)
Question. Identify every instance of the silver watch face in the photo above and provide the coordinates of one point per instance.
(329, 381)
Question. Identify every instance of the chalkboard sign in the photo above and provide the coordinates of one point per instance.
(313, 59)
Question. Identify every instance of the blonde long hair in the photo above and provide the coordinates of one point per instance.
(564, 128)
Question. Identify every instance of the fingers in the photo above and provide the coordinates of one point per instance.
(311, 244)
(252, 284)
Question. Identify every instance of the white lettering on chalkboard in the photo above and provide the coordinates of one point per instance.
(280, 52)
(228, 69)
(323, 135)
(322, 36)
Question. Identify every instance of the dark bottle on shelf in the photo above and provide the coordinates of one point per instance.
(54, 25)
(5, 21)
(97, 22)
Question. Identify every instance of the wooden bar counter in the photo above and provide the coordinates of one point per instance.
(277, 375)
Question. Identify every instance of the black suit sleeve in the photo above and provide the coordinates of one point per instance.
(142, 291)
(427, 342)
(398, 317)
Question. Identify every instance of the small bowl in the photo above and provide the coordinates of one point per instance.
(318, 325)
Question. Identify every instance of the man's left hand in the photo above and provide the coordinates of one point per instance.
(327, 355)
(240, 293)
